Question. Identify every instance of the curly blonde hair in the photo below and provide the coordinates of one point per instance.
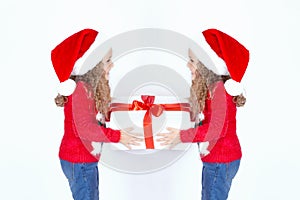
(98, 85)
(198, 94)
(202, 84)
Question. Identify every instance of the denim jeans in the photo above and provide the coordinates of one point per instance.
(83, 179)
(217, 178)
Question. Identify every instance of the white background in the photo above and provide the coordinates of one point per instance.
(31, 124)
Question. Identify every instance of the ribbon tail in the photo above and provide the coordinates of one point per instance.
(148, 134)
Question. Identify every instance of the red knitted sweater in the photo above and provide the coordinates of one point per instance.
(224, 145)
(81, 129)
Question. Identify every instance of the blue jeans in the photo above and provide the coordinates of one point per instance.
(217, 178)
(83, 179)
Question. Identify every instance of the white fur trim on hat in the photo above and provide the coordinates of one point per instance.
(76, 69)
(233, 88)
(222, 69)
(67, 87)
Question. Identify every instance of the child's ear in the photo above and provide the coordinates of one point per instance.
(192, 55)
(108, 55)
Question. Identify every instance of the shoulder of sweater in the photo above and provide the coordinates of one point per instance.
(80, 86)
(229, 100)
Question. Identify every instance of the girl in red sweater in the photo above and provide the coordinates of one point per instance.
(81, 144)
(221, 159)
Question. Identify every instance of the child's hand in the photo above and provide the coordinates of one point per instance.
(172, 138)
(127, 139)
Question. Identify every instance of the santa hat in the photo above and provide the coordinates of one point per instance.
(65, 55)
(234, 54)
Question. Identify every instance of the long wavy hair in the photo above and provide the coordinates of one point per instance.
(202, 85)
(97, 85)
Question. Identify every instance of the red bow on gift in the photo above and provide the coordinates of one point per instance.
(151, 109)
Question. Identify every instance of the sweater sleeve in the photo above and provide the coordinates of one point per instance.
(215, 122)
(84, 117)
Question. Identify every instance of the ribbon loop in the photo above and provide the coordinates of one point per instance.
(148, 100)
(156, 110)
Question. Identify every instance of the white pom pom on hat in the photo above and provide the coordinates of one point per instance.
(65, 55)
(66, 88)
(233, 88)
(235, 56)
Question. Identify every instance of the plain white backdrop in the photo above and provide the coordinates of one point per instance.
(31, 124)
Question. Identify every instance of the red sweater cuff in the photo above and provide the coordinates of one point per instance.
(113, 135)
(187, 135)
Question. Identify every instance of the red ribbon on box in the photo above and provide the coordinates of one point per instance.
(152, 109)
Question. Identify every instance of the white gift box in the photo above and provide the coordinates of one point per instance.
(134, 119)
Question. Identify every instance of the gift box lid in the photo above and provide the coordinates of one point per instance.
(157, 99)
